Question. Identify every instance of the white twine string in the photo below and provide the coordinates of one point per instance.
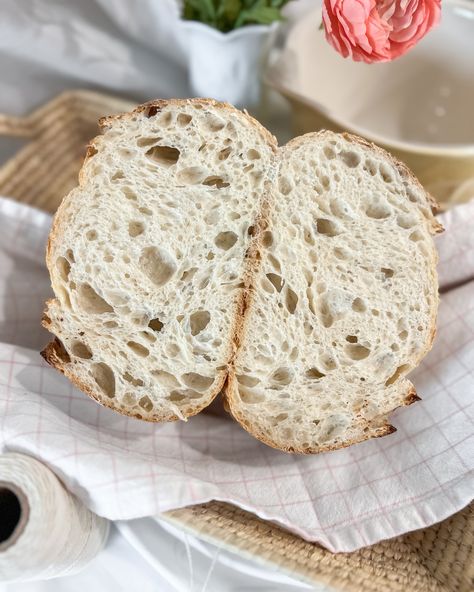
(211, 569)
(190, 562)
(59, 535)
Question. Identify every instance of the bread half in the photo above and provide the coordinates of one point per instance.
(343, 305)
(196, 255)
(147, 256)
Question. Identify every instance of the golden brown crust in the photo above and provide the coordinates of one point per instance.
(374, 429)
(411, 397)
(152, 108)
(251, 267)
(56, 356)
(377, 428)
(402, 168)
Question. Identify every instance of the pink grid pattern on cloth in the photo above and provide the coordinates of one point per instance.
(123, 468)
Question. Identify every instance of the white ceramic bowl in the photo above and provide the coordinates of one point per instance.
(420, 107)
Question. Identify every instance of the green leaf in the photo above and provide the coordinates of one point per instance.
(227, 13)
(200, 10)
(229, 9)
(261, 15)
(192, 7)
(209, 7)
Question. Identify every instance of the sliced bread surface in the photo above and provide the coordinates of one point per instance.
(147, 255)
(197, 256)
(344, 303)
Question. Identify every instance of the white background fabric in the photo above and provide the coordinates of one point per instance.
(133, 48)
(137, 49)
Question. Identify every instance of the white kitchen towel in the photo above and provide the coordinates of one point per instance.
(123, 468)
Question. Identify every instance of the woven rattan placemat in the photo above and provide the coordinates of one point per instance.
(438, 559)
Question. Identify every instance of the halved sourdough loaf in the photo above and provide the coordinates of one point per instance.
(196, 255)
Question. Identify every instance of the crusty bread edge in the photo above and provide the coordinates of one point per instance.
(56, 356)
(231, 385)
(54, 351)
(152, 108)
(377, 427)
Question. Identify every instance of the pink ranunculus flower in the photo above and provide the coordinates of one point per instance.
(378, 30)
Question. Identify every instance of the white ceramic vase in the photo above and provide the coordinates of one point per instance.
(227, 66)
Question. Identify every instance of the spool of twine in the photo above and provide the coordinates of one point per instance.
(45, 531)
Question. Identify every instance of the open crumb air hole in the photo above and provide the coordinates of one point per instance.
(191, 175)
(225, 240)
(329, 152)
(267, 239)
(105, 379)
(250, 397)
(166, 379)
(284, 185)
(358, 305)
(147, 141)
(276, 280)
(129, 193)
(350, 159)
(90, 301)
(138, 349)
(214, 123)
(132, 380)
(197, 381)
(165, 156)
(282, 376)
(199, 321)
(291, 300)
(397, 374)
(378, 210)
(64, 267)
(81, 350)
(184, 119)
(145, 403)
(327, 227)
(357, 352)
(249, 381)
(155, 325)
(314, 374)
(157, 264)
(135, 228)
(253, 154)
(215, 181)
(91, 235)
(224, 153)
